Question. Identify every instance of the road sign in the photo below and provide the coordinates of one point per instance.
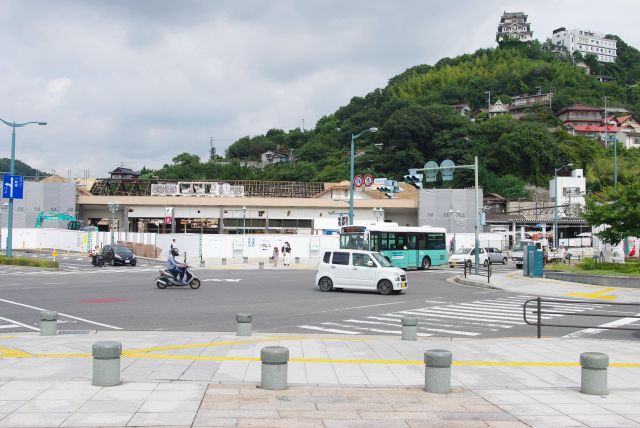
(54, 253)
(446, 169)
(12, 186)
(358, 181)
(168, 220)
(431, 171)
(368, 180)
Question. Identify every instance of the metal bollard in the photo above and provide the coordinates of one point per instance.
(106, 363)
(260, 265)
(297, 260)
(48, 323)
(409, 328)
(243, 324)
(224, 261)
(246, 260)
(274, 367)
(201, 263)
(437, 371)
(593, 375)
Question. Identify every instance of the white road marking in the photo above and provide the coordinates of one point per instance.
(592, 331)
(359, 307)
(375, 330)
(437, 330)
(329, 330)
(59, 313)
(19, 324)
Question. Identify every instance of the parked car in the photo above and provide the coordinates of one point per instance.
(118, 255)
(496, 256)
(467, 256)
(517, 255)
(359, 270)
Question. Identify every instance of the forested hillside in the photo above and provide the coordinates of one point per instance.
(417, 124)
(21, 168)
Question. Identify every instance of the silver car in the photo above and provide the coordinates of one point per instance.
(496, 256)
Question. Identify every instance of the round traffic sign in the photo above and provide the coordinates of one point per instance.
(368, 180)
(358, 180)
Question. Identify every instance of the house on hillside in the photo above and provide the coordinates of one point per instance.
(514, 26)
(271, 157)
(586, 42)
(121, 172)
(498, 109)
(594, 132)
(581, 115)
(521, 103)
(462, 109)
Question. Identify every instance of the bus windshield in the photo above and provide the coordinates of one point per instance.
(354, 241)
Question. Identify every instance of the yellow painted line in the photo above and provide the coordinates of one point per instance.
(230, 342)
(8, 337)
(13, 353)
(596, 294)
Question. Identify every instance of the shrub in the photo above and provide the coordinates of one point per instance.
(23, 261)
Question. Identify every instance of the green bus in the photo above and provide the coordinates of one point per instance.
(406, 247)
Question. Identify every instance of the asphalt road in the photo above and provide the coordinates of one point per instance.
(281, 300)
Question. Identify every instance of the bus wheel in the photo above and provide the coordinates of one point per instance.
(426, 263)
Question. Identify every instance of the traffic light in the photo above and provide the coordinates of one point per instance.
(414, 180)
(384, 189)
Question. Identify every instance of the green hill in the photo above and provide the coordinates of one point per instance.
(417, 124)
(21, 168)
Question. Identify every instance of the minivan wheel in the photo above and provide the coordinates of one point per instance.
(325, 284)
(486, 263)
(426, 263)
(504, 261)
(385, 287)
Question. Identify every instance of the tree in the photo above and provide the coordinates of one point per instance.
(618, 209)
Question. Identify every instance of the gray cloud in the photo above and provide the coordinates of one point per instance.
(141, 81)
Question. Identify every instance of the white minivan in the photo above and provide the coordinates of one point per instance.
(359, 270)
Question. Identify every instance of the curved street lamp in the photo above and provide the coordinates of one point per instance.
(13, 126)
(378, 213)
(354, 137)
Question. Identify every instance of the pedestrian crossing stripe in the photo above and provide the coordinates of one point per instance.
(466, 319)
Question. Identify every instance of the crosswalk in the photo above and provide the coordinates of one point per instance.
(471, 319)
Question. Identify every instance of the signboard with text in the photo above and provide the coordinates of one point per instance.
(12, 186)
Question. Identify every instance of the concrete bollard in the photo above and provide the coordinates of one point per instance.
(224, 261)
(106, 363)
(243, 324)
(260, 265)
(409, 328)
(246, 260)
(593, 375)
(201, 263)
(297, 260)
(48, 323)
(437, 371)
(274, 367)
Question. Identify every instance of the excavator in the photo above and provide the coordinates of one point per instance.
(72, 224)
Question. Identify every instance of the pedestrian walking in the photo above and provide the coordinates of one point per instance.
(275, 256)
(286, 254)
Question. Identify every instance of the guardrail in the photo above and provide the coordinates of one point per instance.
(468, 267)
(540, 311)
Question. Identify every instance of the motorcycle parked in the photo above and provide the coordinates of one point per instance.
(168, 279)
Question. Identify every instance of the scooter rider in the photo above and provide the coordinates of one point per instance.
(175, 267)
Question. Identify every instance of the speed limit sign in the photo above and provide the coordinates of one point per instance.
(358, 181)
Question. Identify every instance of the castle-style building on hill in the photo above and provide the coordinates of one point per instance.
(514, 26)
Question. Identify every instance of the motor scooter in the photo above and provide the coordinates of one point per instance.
(168, 279)
(97, 260)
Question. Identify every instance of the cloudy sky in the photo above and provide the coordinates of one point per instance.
(135, 82)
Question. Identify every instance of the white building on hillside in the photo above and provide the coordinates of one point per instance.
(570, 192)
(514, 26)
(586, 42)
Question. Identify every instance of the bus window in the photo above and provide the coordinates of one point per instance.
(422, 241)
(401, 241)
(388, 241)
(374, 242)
(436, 241)
(413, 241)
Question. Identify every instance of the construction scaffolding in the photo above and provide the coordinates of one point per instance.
(242, 188)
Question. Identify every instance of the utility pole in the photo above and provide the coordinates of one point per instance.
(488, 101)
(212, 150)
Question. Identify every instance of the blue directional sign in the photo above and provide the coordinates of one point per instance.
(12, 186)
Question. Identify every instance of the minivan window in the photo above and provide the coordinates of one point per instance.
(382, 260)
(327, 257)
(360, 259)
(340, 258)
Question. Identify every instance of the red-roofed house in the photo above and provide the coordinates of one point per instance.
(593, 132)
(627, 121)
(581, 115)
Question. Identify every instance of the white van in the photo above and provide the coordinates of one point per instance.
(359, 270)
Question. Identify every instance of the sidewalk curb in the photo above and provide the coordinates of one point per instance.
(474, 283)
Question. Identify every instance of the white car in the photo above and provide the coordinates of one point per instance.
(467, 256)
(359, 270)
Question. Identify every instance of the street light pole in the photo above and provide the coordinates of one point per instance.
(244, 219)
(378, 212)
(555, 209)
(354, 137)
(13, 126)
(113, 207)
(3, 208)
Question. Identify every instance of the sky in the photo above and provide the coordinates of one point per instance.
(136, 82)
